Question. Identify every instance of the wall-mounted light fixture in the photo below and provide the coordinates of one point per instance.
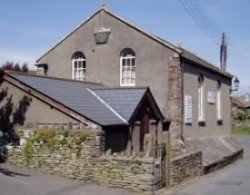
(236, 83)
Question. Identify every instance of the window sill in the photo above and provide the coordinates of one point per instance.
(127, 85)
(188, 124)
(201, 122)
(219, 122)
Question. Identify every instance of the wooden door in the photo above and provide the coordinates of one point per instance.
(144, 129)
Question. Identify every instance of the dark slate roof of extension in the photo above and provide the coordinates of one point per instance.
(102, 106)
(115, 98)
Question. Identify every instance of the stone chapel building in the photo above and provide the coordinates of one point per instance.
(189, 90)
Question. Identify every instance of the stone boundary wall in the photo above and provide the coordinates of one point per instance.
(86, 162)
(223, 162)
(185, 166)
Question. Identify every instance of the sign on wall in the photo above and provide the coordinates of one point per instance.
(188, 115)
(211, 97)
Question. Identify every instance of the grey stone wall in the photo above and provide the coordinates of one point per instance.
(87, 161)
(185, 166)
(212, 126)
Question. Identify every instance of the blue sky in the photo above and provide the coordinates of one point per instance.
(28, 28)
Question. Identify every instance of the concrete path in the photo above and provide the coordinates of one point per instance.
(232, 180)
(21, 181)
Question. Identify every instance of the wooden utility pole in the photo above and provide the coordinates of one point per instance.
(223, 52)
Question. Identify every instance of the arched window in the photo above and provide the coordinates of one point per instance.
(200, 98)
(219, 117)
(78, 66)
(127, 68)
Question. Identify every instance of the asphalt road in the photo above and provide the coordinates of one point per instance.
(231, 180)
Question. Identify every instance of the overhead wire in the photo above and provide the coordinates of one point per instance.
(192, 11)
(201, 11)
(197, 12)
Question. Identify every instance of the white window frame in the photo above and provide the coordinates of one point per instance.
(201, 98)
(219, 105)
(79, 72)
(128, 61)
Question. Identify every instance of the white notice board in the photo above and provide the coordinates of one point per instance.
(211, 97)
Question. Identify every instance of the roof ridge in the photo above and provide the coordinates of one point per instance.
(212, 65)
(198, 56)
(53, 78)
(166, 43)
(71, 32)
(119, 88)
(107, 105)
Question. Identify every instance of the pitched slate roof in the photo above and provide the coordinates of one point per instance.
(115, 98)
(190, 56)
(104, 106)
(201, 62)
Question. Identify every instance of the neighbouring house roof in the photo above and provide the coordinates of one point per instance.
(181, 51)
(237, 102)
(241, 101)
(95, 102)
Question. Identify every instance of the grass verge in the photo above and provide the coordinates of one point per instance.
(243, 130)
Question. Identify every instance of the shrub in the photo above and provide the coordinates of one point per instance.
(81, 137)
(66, 133)
(240, 115)
(17, 67)
(25, 68)
(54, 138)
(44, 135)
(28, 150)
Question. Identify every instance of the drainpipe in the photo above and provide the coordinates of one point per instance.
(182, 95)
